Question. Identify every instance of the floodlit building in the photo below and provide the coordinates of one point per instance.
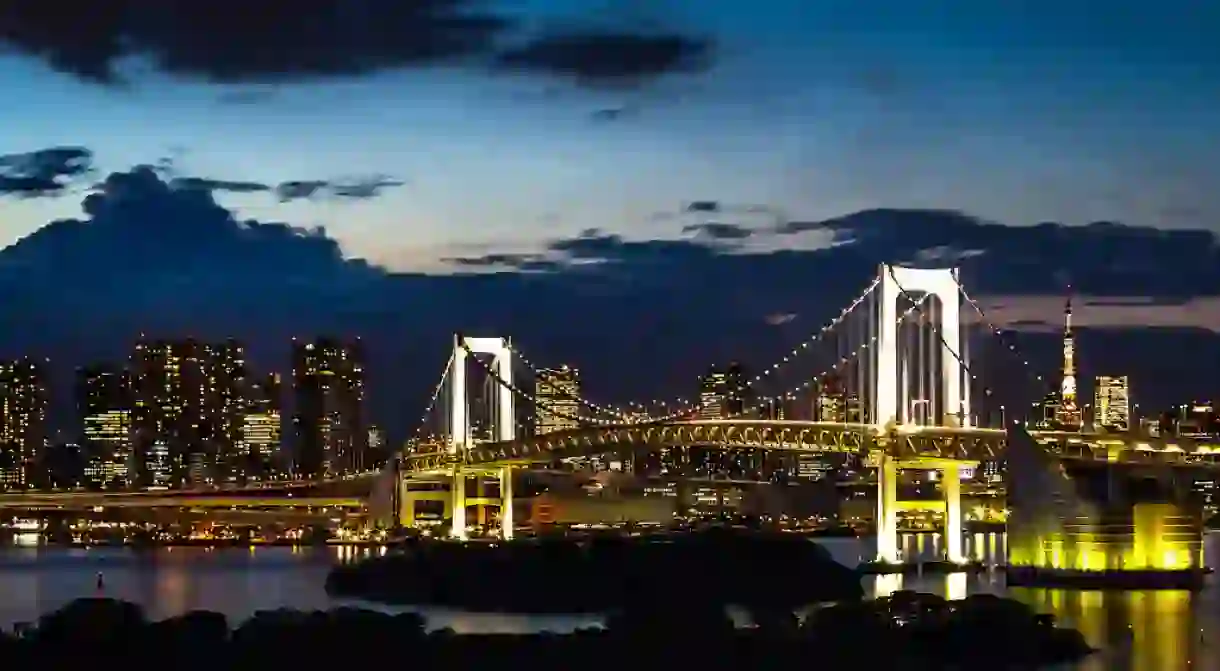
(1112, 403)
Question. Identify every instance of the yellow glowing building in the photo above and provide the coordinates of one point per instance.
(558, 393)
(1112, 403)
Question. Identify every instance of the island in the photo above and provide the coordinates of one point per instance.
(906, 630)
(602, 573)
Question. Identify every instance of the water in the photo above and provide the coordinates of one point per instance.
(1161, 630)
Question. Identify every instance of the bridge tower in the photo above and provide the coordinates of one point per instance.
(457, 427)
(890, 409)
(459, 439)
(941, 283)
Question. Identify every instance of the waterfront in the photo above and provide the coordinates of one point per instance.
(1138, 630)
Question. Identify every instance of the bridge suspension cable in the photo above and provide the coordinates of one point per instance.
(621, 415)
(760, 404)
(999, 333)
(417, 436)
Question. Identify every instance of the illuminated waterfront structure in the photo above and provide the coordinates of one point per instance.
(1196, 419)
(23, 421)
(104, 404)
(1112, 403)
(558, 394)
(259, 443)
(1068, 414)
(1061, 532)
(328, 425)
(188, 411)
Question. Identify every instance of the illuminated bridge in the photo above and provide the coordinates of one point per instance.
(902, 346)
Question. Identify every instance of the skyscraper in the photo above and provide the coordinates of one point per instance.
(328, 424)
(1068, 413)
(1112, 404)
(23, 421)
(104, 404)
(558, 394)
(259, 444)
(712, 398)
(188, 411)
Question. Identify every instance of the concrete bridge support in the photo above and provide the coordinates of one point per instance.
(888, 551)
(459, 501)
(887, 511)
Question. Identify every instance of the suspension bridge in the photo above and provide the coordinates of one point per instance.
(903, 345)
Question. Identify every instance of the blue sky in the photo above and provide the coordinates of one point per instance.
(560, 188)
(1021, 112)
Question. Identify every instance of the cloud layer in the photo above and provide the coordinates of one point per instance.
(238, 42)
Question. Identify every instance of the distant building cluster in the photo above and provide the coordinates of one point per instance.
(185, 413)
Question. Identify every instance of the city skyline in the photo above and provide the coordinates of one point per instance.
(690, 195)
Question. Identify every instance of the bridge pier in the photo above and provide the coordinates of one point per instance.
(889, 556)
(951, 485)
(887, 511)
(506, 503)
(457, 491)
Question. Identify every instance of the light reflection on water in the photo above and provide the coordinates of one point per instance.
(1139, 631)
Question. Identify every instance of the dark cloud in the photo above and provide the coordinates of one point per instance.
(719, 230)
(239, 42)
(235, 41)
(46, 172)
(363, 188)
(219, 185)
(608, 59)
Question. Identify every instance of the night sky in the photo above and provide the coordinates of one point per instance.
(635, 188)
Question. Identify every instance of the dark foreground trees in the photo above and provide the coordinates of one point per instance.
(904, 631)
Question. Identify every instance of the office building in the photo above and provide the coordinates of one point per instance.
(259, 443)
(188, 412)
(328, 423)
(832, 402)
(712, 395)
(558, 394)
(23, 421)
(104, 404)
(1112, 403)
(725, 393)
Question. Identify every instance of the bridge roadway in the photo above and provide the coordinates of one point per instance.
(85, 501)
(906, 442)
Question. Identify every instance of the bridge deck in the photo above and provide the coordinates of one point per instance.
(903, 442)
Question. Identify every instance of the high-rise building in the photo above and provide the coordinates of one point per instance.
(833, 403)
(558, 394)
(1068, 413)
(104, 404)
(713, 396)
(1112, 403)
(23, 421)
(328, 425)
(259, 444)
(738, 397)
(188, 411)
(725, 393)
